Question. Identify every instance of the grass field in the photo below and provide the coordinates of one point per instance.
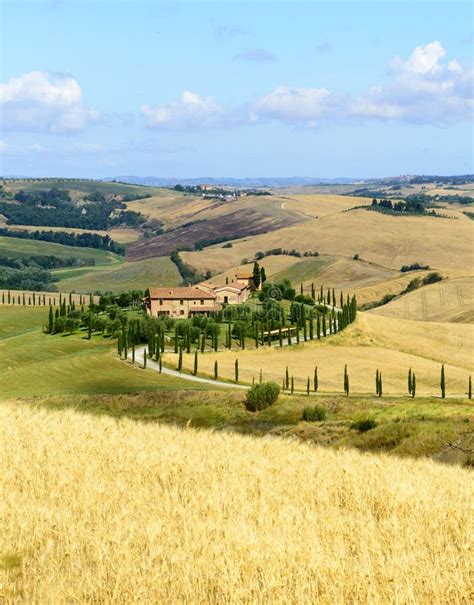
(106, 511)
(390, 345)
(448, 300)
(36, 364)
(82, 185)
(14, 247)
(128, 276)
(323, 205)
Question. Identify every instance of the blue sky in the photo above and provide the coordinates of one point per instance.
(321, 89)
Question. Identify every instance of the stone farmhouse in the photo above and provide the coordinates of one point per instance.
(201, 299)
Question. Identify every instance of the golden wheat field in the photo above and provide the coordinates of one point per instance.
(97, 510)
(389, 344)
(448, 300)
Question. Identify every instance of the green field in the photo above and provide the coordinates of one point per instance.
(35, 364)
(86, 186)
(303, 270)
(129, 276)
(15, 247)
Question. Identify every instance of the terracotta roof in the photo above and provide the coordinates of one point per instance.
(180, 293)
(245, 276)
(234, 285)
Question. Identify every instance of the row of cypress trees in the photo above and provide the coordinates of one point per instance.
(33, 299)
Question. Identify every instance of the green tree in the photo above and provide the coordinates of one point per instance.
(442, 383)
(144, 359)
(50, 320)
(256, 275)
(413, 385)
(315, 380)
(263, 276)
(308, 383)
(469, 388)
(216, 370)
(287, 378)
(346, 381)
(180, 359)
(195, 363)
(236, 370)
(409, 381)
(292, 385)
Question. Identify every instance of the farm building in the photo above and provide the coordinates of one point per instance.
(180, 302)
(232, 294)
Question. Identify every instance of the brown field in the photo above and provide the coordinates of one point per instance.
(390, 345)
(385, 240)
(173, 208)
(115, 511)
(449, 300)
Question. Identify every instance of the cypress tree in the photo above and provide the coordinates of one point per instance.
(413, 384)
(341, 300)
(442, 383)
(289, 335)
(24, 301)
(216, 370)
(176, 339)
(315, 380)
(34, 299)
(301, 288)
(321, 294)
(119, 345)
(287, 378)
(50, 320)
(144, 359)
(307, 387)
(346, 381)
(180, 359)
(311, 329)
(323, 318)
(380, 389)
(89, 326)
(203, 341)
(313, 292)
(280, 337)
(133, 351)
(261, 376)
(292, 385)
(8, 296)
(318, 327)
(195, 363)
(469, 388)
(409, 381)
(236, 368)
(377, 382)
(333, 298)
(160, 364)
(256, 275)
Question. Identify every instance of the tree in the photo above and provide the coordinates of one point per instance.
(377, 382)
(89, 326)
(216, 370)
(287, 378)
(256, 275)
(236, 367)
(292, 385)
(315, 380)
(195, 363)
(413, 385)
(50, 320)
(409, 381)
(144, 359)
(442, 383)
(469, 388)
(346, 381)
(180, 359)
(380, 389)
(263, 276)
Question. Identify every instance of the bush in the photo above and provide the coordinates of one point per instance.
(261, 396)
(355, 257)
(364, 425)
(314, 414)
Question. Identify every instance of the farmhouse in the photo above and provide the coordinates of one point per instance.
(180, 302)
(232, 294)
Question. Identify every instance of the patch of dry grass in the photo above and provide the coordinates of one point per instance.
(106, 511)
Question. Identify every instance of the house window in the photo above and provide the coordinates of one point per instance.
(181, 312)
(226, 299)
(161, 301)
(202, 301)
(181, 302)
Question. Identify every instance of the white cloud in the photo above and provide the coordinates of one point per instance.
(44, 102)
(425, 90)
(191, 111)
(422, 89)
(299, 104)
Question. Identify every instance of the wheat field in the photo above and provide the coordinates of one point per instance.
(103, 511)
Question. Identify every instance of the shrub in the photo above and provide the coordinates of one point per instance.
(355, 257)
(228, 245)
(364, 424)
(261, 396)
(314, 414)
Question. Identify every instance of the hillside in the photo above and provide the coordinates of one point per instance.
(127, 512)
(382, 239)
(449, 300)
(388, 344)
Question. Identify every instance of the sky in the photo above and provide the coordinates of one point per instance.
(264, 88)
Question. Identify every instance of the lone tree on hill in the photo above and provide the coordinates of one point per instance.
(469, 388)
(442, 383)
(346, 381)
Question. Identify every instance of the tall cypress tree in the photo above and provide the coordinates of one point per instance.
(315, 380)
(377, 382)
(380, 389)
(346, 381)
(292, 385)
(469, 388)
(256, 275)
(195, 363)
(413, 384)
(236, 370)
(307, 387)
(180, 359)
(442, 383)
(409, 381)
(144, 359)
(287, 378)
(50, 320)
(133, 351)
(216, 370)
